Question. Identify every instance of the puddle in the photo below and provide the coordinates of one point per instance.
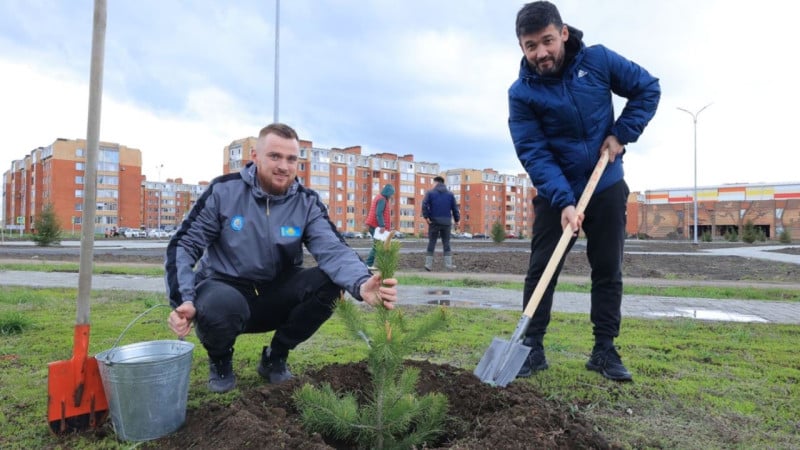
(710, 314)
(466, 304)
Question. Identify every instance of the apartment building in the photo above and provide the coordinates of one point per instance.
(166, 203)
(55, 175)
(347, 180)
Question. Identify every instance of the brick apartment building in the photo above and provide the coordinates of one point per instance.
(346, 181)
(55, 174)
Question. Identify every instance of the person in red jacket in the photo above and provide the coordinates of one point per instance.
(379, 217)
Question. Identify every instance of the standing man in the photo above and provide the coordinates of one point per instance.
(439, 209)
(235, 264)
(379, 218)
(561, 118)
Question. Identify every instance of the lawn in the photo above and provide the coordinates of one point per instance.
(697, 384)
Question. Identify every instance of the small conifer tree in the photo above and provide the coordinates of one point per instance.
(48, 230)
(393, 415)
(785, 237)
(498, 232)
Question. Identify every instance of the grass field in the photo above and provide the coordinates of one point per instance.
(697, 384)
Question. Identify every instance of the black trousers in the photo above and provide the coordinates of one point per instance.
(604, 226)
(436, 231)
(294, 306)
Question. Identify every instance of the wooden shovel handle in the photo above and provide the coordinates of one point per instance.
(566, 236)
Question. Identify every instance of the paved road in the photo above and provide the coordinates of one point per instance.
(632, 305)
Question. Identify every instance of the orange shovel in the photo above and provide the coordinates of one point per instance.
(75, 396)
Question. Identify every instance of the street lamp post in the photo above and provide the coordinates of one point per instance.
(694, 197)
(158, 209)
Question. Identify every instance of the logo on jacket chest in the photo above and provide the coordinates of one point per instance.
(237, 223)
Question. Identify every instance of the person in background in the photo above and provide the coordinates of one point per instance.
(440, 210)
(561, 117)
(379, 218)
(235, 264)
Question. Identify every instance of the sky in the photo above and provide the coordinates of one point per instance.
(183, 79)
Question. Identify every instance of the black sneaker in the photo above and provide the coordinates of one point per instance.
(273, 368)
(534, 362)
(220, 374)
(609, 364)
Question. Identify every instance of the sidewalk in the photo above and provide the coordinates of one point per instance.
(632, 305)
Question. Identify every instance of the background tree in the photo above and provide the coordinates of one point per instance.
(48, 230)
(498, 232)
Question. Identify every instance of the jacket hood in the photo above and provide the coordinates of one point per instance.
(387, 191)
(573, 46)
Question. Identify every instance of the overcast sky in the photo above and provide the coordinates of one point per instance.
(185, 78)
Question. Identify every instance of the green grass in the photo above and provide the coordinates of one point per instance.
(716, 292)
(698, 384)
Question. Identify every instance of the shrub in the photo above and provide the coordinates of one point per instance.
(498, 232)
(749, 233)
(731, 236)
(706, 237)
(785, 237)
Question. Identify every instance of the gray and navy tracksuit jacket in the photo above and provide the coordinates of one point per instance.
(238, 231)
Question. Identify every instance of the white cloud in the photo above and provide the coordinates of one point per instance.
(428, 78)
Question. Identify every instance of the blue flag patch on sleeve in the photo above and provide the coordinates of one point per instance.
(291, 231)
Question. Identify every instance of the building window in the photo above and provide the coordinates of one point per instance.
(78, 179)
(79, 152)
(79, 166)
(79, 193)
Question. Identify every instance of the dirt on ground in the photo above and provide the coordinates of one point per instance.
(480, 416)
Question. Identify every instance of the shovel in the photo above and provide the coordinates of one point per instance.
(503, 360)
(75, 396)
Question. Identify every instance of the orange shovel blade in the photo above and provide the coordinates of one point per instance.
(75, 396)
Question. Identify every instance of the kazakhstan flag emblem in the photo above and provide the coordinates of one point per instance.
(291, 231)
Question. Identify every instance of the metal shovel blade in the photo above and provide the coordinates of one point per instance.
(501, 362)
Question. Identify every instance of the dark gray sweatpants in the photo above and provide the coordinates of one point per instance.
(295, 305)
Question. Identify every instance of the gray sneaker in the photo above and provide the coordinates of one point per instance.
(220, 375)
(273, 368)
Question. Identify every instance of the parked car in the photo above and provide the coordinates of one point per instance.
(157, 234)
(399, 235)
(133, 233)
(353, 235)
(463, 235)
(479, 236)
(511, 236)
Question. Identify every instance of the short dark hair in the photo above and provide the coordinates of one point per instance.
(438, 179)
(536, 16)
(281, 129)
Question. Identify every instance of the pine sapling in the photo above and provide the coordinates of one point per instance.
(393, 416)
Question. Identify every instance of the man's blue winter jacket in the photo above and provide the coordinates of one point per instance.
(558, 123)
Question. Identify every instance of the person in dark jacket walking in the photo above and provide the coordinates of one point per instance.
(379, 218)
(440, 210)
(235, 264)
(561, 117)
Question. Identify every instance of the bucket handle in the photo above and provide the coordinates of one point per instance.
(109, 354)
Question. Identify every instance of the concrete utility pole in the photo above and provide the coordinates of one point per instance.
(277, 53)
(694, 197)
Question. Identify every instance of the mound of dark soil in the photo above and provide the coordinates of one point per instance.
(480, 416)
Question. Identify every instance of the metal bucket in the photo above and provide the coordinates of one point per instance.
(146, 385)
